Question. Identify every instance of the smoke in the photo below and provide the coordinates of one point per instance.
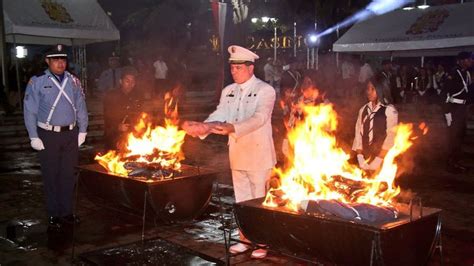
(375, 8)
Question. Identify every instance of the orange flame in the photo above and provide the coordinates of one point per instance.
(319, 169)
(149, 144)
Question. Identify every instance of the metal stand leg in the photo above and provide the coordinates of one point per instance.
(227, 246)
(227, 231)
(144, 215)
(440, 248)
(376, 252)
(372, 253)
(438, 245)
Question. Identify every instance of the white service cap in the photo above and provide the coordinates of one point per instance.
(240, 55)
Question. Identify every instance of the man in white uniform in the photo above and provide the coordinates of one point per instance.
(244, 113)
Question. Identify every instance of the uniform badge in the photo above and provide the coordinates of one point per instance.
(77, 83)
(59, 47)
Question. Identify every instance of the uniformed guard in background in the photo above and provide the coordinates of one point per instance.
(122, 108)
(56, 119)
(457, 88)
(109, 78)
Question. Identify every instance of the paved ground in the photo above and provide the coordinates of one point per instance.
(23, 240)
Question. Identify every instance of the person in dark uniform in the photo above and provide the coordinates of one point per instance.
(374, 134)
(109, 78)
(122, 108)
(391, 93)
(56, 119)
(458, 84)
(290, 81)
(290, 84)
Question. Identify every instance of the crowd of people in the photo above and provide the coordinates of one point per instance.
(406, 82)
(155, 76)
(444, 84)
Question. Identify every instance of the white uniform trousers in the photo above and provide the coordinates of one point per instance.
(249, 184)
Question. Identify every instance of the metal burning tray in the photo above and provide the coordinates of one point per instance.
(183, 197)
(408, 240)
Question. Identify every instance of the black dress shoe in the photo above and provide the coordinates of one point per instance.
(54, 224)
(70, 219)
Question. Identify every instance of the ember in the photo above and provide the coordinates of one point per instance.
(153, 152)
(319, 169)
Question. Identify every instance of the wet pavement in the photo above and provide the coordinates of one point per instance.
(112, 237)
(106, 237)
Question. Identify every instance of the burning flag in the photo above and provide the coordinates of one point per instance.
(150, 151)
(319, 168)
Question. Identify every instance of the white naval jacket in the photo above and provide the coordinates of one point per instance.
(248, 106)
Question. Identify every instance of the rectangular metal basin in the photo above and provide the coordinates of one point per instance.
(183, 197)
(401, 242)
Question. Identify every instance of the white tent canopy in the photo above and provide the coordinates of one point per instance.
(434, 31)
(70, 22)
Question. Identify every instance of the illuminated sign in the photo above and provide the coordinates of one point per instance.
(256, 43)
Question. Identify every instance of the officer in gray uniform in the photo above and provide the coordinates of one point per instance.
(56, 119)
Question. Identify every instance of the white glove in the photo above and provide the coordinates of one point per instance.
(438, 91)
(376, 163)
(362, 163)
(449, 119)
(402, 93)
(81, 138)
(37, 144)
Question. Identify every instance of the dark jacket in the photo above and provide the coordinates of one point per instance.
(119, 108)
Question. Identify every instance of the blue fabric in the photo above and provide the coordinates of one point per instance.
(358, 211)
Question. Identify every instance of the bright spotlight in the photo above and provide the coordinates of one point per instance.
(313, 38)
(265, 19)
(254, 20)
(21, 52)
(423, 6)
(408, 8)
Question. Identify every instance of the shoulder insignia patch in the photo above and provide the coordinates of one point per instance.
(76, 81)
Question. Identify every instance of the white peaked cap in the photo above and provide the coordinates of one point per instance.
(241, 55)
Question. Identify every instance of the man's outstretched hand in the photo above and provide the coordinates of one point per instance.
(194, 128)
(223, 129)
